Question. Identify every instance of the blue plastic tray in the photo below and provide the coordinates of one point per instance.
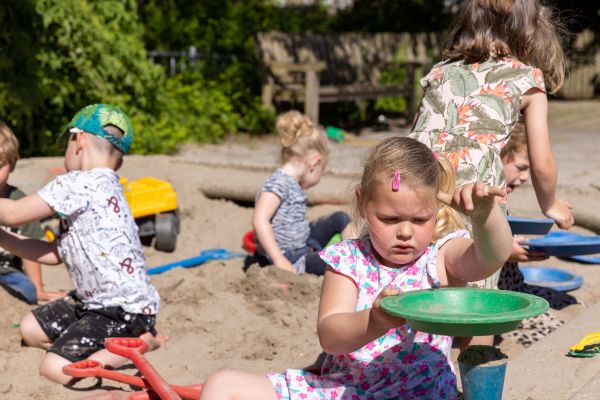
(552, 278)
(585, 259)
(529, 226)
(564, 244)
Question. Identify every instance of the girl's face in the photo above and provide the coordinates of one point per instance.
(516, 171)
(400, 223)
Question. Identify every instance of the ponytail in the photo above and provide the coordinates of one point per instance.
(448, 219)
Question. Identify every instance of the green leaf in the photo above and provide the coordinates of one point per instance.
(487, 126)
(452, 117)
(462, 82)
(505, 74)
(435, 100)
(494, 102)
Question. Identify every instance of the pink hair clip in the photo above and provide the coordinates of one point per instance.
(435, 155)
(396, 181)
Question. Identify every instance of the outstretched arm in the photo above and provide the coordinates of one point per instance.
(23, 211)
(464, 260)
(543, 166)
(30, 249)
(265, 208)
(341, 328)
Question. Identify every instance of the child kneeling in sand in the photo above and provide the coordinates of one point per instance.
(98, 242)
(410, 243)
(285, 237)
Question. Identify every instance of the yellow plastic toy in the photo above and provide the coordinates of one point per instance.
(589, 346)
(153, 204)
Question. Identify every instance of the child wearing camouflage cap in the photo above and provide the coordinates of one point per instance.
(98, 242)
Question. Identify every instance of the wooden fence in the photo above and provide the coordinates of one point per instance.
(583, 78)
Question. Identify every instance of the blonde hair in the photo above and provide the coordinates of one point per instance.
(9, 146)
(299, 135)
(523, 29)
(418, 169)
(516, 144)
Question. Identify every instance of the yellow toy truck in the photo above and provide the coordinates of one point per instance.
(153, 204)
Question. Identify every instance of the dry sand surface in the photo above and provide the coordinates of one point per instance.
(216, 315)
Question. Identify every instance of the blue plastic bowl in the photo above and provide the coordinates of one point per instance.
(552, 278)
(565, 244)
(529, 226)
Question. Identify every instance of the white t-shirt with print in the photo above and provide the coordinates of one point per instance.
(98, 241)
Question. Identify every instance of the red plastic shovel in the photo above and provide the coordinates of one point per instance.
(133, 349)
(93, 368)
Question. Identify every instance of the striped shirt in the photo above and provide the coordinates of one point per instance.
(290, 225)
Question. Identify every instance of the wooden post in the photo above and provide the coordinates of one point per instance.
(311, 96)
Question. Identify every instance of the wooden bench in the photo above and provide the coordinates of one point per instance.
(314, 68)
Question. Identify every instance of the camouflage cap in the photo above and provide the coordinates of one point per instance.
(95, 117)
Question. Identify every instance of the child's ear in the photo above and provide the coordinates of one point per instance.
(80, 141)
(358, 194)
(317, 159)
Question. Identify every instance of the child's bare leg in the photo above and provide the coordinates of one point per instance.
(111, 360)
(52, 368)
(237, 385)
(32, 332)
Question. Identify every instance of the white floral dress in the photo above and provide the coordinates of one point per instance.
(403, 363)
(469, 110)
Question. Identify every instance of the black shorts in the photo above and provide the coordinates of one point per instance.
(77, 332)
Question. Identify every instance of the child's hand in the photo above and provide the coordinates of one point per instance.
(521, 254)
(473, 199)
(561, 213)
(285, 264)
(44, 296)
(380, 317)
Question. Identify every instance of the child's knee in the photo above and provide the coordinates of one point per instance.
(30, 330)
(51, 368)
(341, 219)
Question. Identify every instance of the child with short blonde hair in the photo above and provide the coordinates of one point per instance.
(98, 242)
(19, 276)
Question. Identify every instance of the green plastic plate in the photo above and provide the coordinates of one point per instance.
(464, 311)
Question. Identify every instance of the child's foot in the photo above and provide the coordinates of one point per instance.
(154, 342)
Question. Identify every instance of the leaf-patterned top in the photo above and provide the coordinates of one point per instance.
(469, 111)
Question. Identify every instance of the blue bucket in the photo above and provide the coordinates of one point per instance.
(484, 381)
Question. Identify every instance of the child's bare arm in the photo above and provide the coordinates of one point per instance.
(265, 208)
(23, 211)
(543, 166)
(341, 328)
(33, 270)
(464, 260)
(30, 249)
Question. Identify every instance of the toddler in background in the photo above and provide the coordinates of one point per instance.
(516, 171)
(285, 237)
(19, 276)
(410, 242)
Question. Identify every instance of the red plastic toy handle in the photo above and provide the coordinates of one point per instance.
(93, 368)
(132, 348)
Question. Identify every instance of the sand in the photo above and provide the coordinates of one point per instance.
(265, 320)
